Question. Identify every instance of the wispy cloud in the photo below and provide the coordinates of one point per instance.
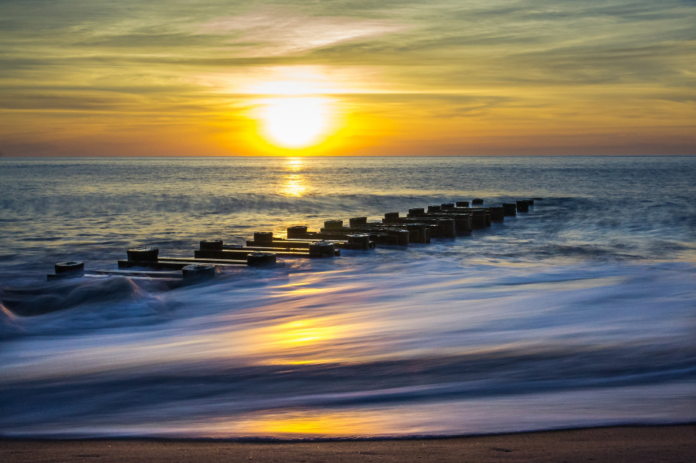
(280, 31)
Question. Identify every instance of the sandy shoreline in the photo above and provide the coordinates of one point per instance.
(616, 444)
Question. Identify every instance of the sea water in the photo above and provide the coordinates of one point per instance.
(581, 312)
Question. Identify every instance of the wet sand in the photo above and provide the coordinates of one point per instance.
(612, 444)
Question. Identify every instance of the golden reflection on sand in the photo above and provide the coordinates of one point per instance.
(319, 423)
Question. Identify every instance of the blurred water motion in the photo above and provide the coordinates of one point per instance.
(468, 417)
(578, 313)
(301, 333)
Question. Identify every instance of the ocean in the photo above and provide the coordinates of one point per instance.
(581, 312)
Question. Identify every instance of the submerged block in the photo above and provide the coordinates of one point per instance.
(198, 272)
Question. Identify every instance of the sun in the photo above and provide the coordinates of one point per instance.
(295, 122)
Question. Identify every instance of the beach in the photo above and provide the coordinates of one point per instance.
(613, 444)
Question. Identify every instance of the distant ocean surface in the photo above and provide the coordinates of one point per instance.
(580, 313)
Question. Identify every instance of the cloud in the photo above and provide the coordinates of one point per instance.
(279, 31)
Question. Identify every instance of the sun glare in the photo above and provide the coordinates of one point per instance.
(295, 122)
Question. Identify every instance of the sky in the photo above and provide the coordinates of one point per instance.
(371, 77)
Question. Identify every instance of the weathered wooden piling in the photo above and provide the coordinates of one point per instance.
(462, 220)
(391, 217)
(402, 236)
(261, 259)
(263, 242)
(69, 268)
(386, 233)
(478, 219)
(263, 237)
(377, 233)
(288, 245)
(144, 254)
(211, 245)
(522, 206)
(418, 233)
(447, 228)
(322, 249)
(333, 225)
(298, 231)
(360, 241)
(462, 223)
(356, 221)
(434, 230)
(302, 242)
(497, 213)
(238, 252)
(509, 209)
(391, 236)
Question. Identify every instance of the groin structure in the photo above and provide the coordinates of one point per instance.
(419, 226)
